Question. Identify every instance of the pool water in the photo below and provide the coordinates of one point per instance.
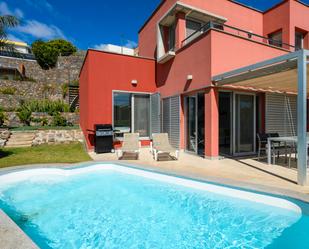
(111, 209)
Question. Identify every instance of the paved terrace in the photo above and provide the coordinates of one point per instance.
(248, 173)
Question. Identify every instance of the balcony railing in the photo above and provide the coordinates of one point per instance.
(237, 32)
(17, 55)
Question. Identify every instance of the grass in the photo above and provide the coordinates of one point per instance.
(63, 153)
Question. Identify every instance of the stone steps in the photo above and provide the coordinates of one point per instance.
(20, 139)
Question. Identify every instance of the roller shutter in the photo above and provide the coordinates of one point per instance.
(155, 117)
(171, 119)
(281, 114)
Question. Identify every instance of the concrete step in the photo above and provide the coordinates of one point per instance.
(20, 139)
(18, 142)
(18, 146)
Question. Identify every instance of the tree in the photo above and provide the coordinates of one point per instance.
(6, 21)
(45, 54)
(64, 47)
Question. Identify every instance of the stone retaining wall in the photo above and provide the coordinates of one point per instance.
(43, 83)
(13, 120)
(47, 136)
(57, 137)
(4, 136)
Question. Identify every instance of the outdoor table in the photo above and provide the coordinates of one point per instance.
(280, 139)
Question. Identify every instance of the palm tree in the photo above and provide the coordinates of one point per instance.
(6, 21)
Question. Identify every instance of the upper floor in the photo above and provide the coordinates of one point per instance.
(175, 24)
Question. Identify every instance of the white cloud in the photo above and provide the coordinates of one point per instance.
(40, 30)
(101, 46)
(5, 10)
(131, 44)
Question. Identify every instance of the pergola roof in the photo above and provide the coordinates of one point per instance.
(287, 73)
(279, 74)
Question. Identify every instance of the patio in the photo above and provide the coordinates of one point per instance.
(247, 173)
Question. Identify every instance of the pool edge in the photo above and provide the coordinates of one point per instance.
(12, 236)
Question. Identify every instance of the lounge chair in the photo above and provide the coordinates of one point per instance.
(161, 145)
(130, 145)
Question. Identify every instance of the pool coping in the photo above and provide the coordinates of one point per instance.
(226, 182)
(23, 241)
(12, 236)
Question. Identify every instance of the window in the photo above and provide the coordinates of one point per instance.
(132, 113)
(122, 112)
(275, 39)
(191, 28)
(299, 40)
(171, 37)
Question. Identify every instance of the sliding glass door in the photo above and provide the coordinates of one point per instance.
(191, 124)
(141, 115)
(237, 123)
(195, 123)
(244, 140)
(131, 113)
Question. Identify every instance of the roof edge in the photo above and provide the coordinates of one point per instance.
(113, 53)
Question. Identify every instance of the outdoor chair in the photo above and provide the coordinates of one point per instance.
(278, 148)
(130, 145)
(161, 145)
(262, 143)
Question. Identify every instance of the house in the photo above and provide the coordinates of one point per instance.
(173, 85)
(20, 47)
(117, 49)
(20, 50)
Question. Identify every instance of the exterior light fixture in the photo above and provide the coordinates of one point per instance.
(134, 82)
(190, 77)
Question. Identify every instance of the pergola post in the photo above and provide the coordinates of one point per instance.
(302, 118)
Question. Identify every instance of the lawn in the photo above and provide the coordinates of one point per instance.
(64, 153)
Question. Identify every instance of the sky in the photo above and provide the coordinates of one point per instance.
(88, 24)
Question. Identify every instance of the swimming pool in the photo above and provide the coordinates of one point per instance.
(113, 206)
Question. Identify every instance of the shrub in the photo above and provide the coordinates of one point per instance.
(24, 115)
(46, 105)
(58, 120)
(8, 90)
(65, 89)
(74, 83)
(65, 48)
(45, 54)
(48, 89)
(3, 116)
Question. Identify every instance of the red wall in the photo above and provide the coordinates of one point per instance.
(237, 15)
(104, 72)
(299, 20)
(276, 19)
(194, 59)
(229, 52)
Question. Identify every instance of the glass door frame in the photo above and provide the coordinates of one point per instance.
(196, 128)
(186, 123)
(231, 122)
(234, 124)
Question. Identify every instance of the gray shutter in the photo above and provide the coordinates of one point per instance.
(281, 114)
(174, 134)
(155, 116)
(166, 116)
(171, 119)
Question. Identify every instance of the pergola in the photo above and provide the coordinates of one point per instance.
(286, 74)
